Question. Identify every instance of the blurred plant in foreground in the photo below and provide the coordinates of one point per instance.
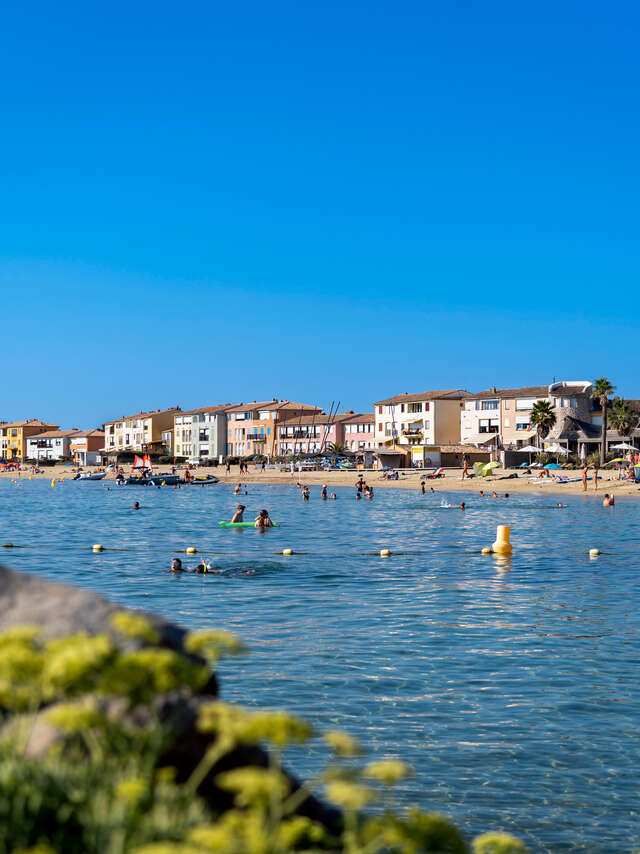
(100, 786)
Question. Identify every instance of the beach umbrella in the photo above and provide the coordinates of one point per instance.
(557, 449)
(488, 468)
(623, 446)
(553, 466)
(529, 449)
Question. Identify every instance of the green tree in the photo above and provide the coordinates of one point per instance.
(602, 388)
(337, 449)
(623, 418)
(542, 418)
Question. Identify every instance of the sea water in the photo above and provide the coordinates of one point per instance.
(510, 687)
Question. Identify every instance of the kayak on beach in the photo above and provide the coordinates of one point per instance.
(244, 525)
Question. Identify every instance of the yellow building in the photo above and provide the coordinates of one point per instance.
(13, 437)
(141, 433)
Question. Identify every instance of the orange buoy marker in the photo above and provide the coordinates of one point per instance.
(502, 546)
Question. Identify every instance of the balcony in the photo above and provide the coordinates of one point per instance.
(414, 432)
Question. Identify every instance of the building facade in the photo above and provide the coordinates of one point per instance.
(50, 445)
(501, 417)
(311, 434)
(359, 432)
(425, 418)
(85, 446)
(201, 433)
(14, 435)
(139, 433)
(251, 427)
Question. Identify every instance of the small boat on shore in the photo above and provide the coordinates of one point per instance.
(149, 480)
(203, 480)
(90, 475)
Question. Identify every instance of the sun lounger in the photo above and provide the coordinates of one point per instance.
(436, 473)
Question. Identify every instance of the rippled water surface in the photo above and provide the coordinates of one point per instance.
(512, 690)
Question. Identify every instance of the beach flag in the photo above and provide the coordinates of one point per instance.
(147, 461)
(138, 462)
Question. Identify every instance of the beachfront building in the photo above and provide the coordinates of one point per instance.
(427, 418)
(500, 418)
(139, 433)
(311, 434)
(201, 434)
(359, 432)
(85, 447)
(14, 435)
(252, 427)
(50, 445)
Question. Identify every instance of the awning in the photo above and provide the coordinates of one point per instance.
(481, 439)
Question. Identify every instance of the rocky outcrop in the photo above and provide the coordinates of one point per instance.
(60, 609)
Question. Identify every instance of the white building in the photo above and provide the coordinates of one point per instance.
(50, 445)
(425, 418)
(201, 434)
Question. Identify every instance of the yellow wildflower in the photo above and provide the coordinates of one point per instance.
(74, 717)
(134, 626)
(388, 771)
(131, 790)
(213, 644)
(342, 743)
(497, 843)
(350, 796)
(254, 786)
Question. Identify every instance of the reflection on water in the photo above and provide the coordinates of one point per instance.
(508, 683)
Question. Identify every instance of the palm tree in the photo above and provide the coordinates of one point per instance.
(602, 388)
(623, 418)
(337, 449)
(543, 418)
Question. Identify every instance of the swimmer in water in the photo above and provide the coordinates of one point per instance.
(201, 568)
(333, 496)
(432, 489)
(358, 496)
(609, 500)
(506, 495)
(237, 516)
(263, 520)
(368, 492)
(494, 494)
(481, 494)
(423, 487)
(305, 493)
(237, 490)
(136, 505)
(558, 505)
(323, 492)
(176, 565)
(462, 505)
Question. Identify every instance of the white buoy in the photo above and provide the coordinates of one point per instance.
(486, 550)
(98, 547)
(594, 552)
(191, 550)
(385, 553)
(287, 551)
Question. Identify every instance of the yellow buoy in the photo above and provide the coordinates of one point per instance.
(191, 550)
(53, 482)
(502, 546)
(385, 553)
(486, 550)
(97, 547)
(594, 552)
(287, 551)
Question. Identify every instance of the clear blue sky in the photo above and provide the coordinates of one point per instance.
(205, 202)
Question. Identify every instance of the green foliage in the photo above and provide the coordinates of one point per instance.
(542, 418)
(100, 787)
(622, 417)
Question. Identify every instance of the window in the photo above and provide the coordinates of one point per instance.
(415, 407)
(380, 413)
(488, 425)
(489, 405)
(523, 424)
(402, 407)
(427, 424)
(380, 427)
(507, 404)
(507, 423)
(525, 402)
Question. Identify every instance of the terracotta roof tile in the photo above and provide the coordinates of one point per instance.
(446, 394)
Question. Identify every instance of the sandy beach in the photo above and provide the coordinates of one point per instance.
(452, 481)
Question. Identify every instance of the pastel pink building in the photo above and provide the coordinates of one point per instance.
(311, 434)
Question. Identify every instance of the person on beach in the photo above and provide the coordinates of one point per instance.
(228, 467)
(609, 500)
(465, 465)
(323, 492)
(238, 515)
(263, 520)
(238, 489)
(585, 470)
(595, 478)
(262, 466)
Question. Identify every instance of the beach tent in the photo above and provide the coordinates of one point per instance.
(553, 466)
(487, 468)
